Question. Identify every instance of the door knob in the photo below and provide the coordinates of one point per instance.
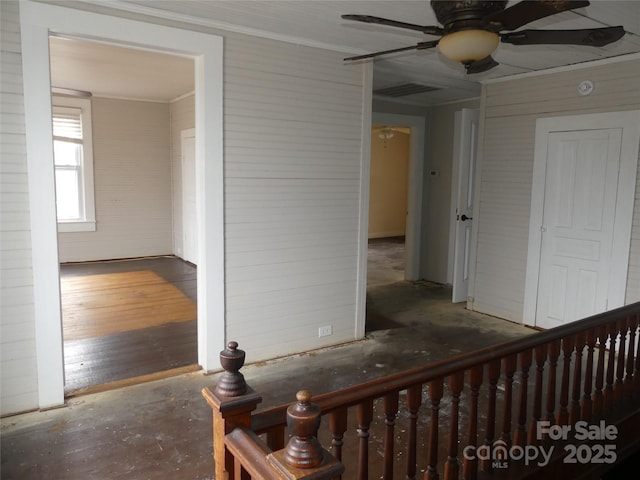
(464, 218)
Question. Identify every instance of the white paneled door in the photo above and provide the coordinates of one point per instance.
(467, 122)
(577, 231)
(189, 222)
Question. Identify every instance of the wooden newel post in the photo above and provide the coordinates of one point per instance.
(231, 382)
(232, 402)
(304, 457)
(303, 418)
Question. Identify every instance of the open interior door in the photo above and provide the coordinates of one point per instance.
(465, 154)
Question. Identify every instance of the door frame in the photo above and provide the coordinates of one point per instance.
(414, 186)
(629, 122)
(39, 21)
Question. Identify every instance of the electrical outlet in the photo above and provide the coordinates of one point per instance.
(325, 331)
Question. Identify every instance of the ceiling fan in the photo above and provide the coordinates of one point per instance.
(472, 29)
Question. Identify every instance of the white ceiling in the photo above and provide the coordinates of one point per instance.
(110, 71)
(319, 23)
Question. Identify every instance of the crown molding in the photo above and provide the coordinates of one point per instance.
(213, 24)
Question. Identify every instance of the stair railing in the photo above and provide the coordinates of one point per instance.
(241, 454)
(482, 412)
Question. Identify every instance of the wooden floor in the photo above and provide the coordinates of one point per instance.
(127, 319)
(162, 430)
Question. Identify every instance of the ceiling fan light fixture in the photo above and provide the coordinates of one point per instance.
(468, 45)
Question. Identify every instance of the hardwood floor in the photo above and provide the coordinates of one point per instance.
(127, 319)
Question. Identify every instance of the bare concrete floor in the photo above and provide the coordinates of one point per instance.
(162, 429)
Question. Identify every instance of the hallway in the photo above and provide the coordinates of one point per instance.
(385, 261)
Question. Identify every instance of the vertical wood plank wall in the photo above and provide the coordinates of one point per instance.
(132, 171)
(18, 387)
(510, 114)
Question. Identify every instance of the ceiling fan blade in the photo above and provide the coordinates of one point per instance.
(480, 66)
(429, 30)
(419, 46)
(529, 10)
(594, 37)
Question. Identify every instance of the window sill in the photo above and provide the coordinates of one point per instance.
(64, 227)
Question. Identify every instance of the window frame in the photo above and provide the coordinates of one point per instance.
(87, 222)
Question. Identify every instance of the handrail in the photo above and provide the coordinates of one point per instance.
(251, 452)
(273, 417)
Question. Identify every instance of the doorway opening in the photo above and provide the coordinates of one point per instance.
(388, 206)
(38, 22)
(388, 191)
(129, 301)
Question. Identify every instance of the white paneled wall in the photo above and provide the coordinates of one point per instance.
(18, 373)
(132, 170)
(292, 173)
(510, 114)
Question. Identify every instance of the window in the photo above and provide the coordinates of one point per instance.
(73, 163)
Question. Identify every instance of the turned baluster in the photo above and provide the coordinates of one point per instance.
(452, 465)
(232, 402)
(509, 370)
(414, 400)
(598, 397)
(620, 367)
(611, 355)
(304, 457)
(636, 363)
(587, 404)
(337, 427)
(629, 379)
(574, 414)
(536, 415)
(470, 463)
(436, 390)
(364, 415)
(520, 437)
(636, 367)
(493, 375)
(390, 401)
(554, 353)
(563, 412)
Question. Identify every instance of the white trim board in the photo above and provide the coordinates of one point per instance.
(629, 122)
(363, 221)
(38, 21)
(415, 186)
